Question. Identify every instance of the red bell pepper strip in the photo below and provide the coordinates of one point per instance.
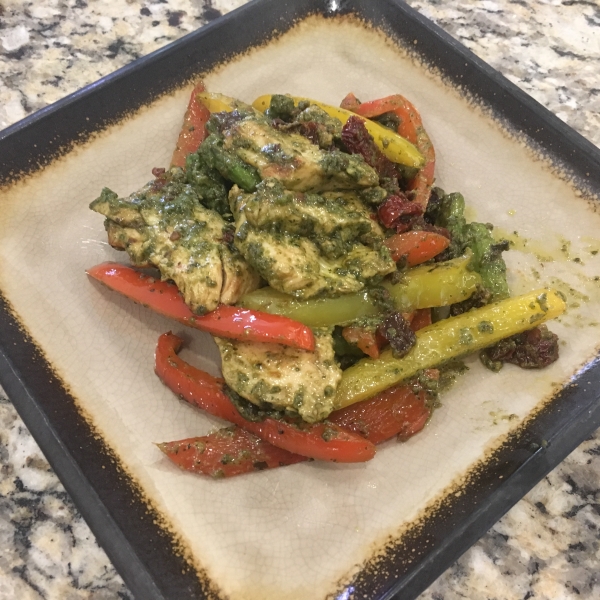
(233, 451)
(421, 318)
(417, 246)
(225, 321)
(350, 102)
(365, 339)
(410, 128)
(226, 453)
(322, 441)
(193, 130)
(398, 411)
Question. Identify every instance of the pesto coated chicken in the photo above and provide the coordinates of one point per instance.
(285, 378)
(261, 198)
(246, 148)
(307, 244)
(165, 225)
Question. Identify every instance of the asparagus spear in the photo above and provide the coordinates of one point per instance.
(228, 164)
(487, 253)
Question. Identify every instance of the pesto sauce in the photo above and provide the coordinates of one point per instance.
(466, 337)
(434, 386)
(251, 411)
(485, 327)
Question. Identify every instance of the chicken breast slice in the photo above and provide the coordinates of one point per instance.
(307, 245)
(294, 160)
(293, 265)
(333, 220)
(166, 226)
(286, 378)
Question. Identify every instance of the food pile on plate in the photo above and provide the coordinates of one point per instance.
(341, 286)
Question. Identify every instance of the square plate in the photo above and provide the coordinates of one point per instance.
(77, 361)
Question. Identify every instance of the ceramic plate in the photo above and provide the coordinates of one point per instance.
(77, 360)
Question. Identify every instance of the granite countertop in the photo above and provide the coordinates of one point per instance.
(548, 545)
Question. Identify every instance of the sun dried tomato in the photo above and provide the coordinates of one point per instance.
(533, 349)
(358, 140)
(399, 213)
(396, 330)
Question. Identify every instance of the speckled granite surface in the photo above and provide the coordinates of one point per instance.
(548, 545)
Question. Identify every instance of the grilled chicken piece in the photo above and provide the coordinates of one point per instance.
(239, 277)
(289, 157)
(283, 377)
(164, 225)
(333, 219)
(294, 266)
(307, 245)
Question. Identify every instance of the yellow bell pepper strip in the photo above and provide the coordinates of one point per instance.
(448, 339)
(393, 146)
(425, 286)
(316, 312)
(219, 102)
(440, 284)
